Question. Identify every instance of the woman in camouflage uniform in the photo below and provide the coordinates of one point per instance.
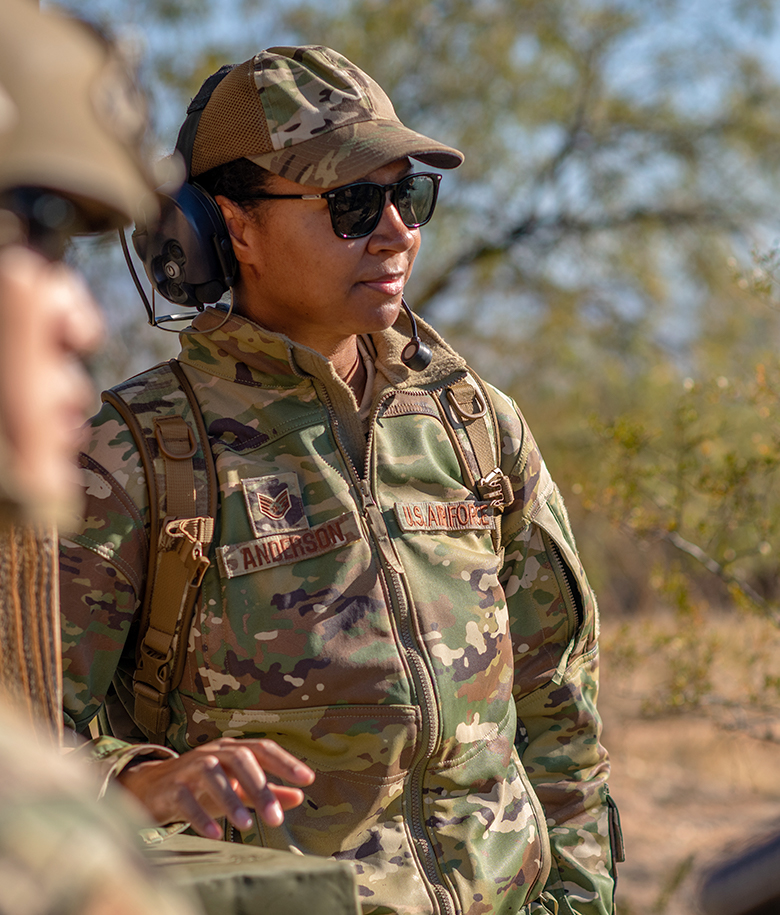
(431, 660)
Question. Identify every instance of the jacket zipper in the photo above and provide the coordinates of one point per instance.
(570, 592)
(392, 569)
(430, 722)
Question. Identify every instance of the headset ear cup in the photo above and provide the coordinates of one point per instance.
(186, 251)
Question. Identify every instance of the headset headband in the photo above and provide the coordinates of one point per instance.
(189, 129)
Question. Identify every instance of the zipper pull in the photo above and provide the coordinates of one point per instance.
(615, 833)
(366, 495)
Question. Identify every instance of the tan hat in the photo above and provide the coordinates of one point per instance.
(310, 115)
(71, 118)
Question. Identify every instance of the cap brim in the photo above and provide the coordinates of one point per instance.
(112, 194)
(351, 152)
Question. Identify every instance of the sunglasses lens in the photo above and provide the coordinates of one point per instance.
(355, 210)
(415, 199)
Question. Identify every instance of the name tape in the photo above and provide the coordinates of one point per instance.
(283, 549)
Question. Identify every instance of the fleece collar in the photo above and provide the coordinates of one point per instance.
(244, 352)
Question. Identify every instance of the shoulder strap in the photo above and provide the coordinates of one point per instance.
(466, 405)
(181, 481)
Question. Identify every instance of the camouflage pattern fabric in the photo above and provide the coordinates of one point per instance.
(62, 852)
(357, 613)
(295, 111)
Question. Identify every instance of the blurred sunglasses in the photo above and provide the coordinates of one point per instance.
(355, 209)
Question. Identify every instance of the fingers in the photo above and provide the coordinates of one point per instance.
(192, 812)
(181, 789)
(242, 764)
(246, 762)
(278, 761)
(223, 799)
(287, 797)
(223, 778)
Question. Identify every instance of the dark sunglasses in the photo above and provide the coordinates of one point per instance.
(355, 209)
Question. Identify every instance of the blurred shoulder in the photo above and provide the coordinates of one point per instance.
(62, 850)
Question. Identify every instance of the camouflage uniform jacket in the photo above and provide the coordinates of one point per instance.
(357, 612)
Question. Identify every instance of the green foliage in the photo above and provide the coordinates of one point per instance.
(697, 469)
(585, 259)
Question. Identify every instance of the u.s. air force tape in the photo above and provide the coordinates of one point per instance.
(445, 516)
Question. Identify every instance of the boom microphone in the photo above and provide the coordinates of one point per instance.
(415, 355)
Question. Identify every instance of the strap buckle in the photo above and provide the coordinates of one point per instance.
(496, 489)
(150, 695)
(459, 406)
(154, 659)
(191, 534)
(169, 432)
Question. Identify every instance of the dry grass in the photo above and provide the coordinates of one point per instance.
(693, 770)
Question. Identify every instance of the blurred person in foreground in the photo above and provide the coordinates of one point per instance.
(70, 129)
(428, 651)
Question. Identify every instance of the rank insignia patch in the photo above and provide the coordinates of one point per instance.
(274, 504)
(277, 508)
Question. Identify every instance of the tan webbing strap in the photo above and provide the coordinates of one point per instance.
(481, 468)
(177, 446)
(180, 570)
(181, 529)
(30, 662)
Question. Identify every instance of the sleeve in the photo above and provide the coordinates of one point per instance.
(103, 561)
(554, 625)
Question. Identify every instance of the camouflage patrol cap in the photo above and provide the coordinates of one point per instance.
(71, 118)
(310, 115)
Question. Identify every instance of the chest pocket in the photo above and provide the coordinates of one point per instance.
(473, 490)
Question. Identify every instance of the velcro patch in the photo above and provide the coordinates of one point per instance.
(283, 549)
(274, 504)
(445, 516)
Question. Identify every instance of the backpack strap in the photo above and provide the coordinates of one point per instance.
(181, 481)
(467, 406)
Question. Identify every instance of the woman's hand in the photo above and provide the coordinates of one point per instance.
(221, 778)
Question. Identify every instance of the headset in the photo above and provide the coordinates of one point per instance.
(186, 250)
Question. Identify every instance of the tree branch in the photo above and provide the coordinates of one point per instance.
(568, 225)
(711, 565)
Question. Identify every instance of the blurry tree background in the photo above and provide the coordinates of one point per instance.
(606, 255)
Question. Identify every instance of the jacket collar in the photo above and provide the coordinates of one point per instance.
(244, 352)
